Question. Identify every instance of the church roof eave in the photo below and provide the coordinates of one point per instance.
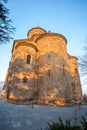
(23, 42)
(51, 34)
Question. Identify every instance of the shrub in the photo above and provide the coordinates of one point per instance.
(59, 125)
(84, 123)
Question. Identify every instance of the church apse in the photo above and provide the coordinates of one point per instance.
(40, 71)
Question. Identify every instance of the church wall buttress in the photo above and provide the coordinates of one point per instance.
(75, 79)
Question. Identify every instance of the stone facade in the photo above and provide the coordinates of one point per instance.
(42, 71)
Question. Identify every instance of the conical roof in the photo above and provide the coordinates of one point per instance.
(34, 32)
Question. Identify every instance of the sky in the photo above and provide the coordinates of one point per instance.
(66, 17)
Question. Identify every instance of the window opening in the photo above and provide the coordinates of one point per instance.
(49, 73)
(63, 70)
(28, 59)
(25, 79)
(76, 71)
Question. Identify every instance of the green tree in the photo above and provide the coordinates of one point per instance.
(6, 28)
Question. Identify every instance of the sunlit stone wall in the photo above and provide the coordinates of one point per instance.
(20, 81)
(41, 71)
(75, 79)
(54, 85)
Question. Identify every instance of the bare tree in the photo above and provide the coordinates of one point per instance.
(83, 63)
(6, 29)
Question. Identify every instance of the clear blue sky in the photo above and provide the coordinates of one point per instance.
(67, 17)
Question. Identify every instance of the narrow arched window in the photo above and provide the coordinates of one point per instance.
(25, 79)
(49, 73)
(76, 71)
(28, 59)
(63, 70)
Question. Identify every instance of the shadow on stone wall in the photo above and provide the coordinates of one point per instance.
(48, 81)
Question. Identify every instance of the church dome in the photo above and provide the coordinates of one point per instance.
(35, 32)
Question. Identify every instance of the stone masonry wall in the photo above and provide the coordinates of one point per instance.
(41, 71)
(75, 79)
(54, 83)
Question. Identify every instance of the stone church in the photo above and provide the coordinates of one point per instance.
(42, 71)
